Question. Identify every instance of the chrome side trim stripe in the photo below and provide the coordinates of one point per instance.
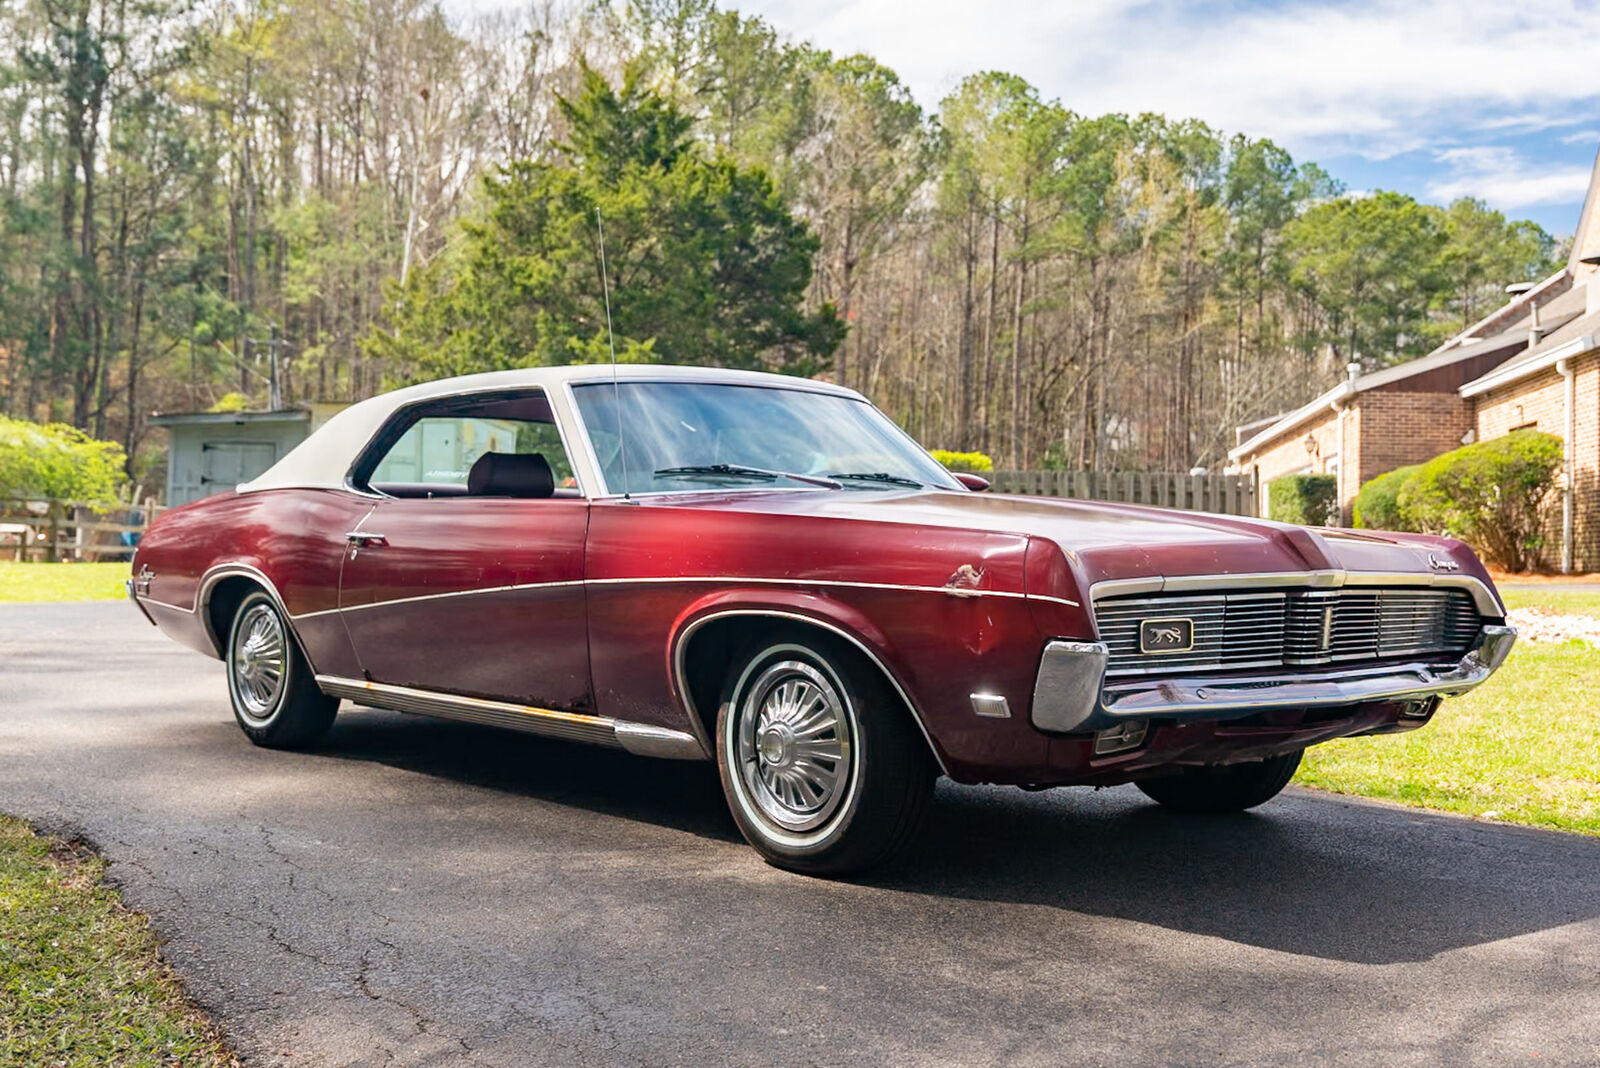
(440, 596)
(143, 599)
(641, 738)
(734, 580)
(1482, 596)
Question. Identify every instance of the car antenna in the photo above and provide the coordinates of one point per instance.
(611, 340)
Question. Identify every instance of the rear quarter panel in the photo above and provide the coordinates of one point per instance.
(293, 537)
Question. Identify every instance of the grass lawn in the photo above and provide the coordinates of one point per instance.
(1563, 602)
(1524, 747)
(62, 582)
(80, 982)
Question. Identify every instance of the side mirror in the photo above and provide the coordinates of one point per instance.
(975, 483)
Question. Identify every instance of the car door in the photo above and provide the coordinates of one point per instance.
(480, 595)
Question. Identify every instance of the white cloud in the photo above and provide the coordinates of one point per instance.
(1582, 137)
(1505, 179)
(1378, 77)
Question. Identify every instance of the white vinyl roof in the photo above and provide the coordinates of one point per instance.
(323, 460)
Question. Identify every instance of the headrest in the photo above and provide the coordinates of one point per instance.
(509, 474)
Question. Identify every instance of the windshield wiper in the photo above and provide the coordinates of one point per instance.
(740, 471)
(876, 476)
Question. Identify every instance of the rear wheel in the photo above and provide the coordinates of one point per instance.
(275, 698)
(1224, 787)
(823, 767)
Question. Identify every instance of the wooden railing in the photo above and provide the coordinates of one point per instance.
(1227, 494)
(71, 530)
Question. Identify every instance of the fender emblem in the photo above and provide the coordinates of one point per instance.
(965, 581)
(141, 581)
(1442, 563)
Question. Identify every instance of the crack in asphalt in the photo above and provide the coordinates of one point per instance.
(153, 884)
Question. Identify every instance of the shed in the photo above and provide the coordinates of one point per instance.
(210, 452)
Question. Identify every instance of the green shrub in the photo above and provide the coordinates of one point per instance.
(54, 461)
(1491, 494)
(976, 462)
(1310, 500)
(1377, 505)
(231, 402)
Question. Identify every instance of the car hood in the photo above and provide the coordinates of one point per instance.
(1105, 541)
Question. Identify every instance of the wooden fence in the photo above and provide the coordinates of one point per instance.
(1228, 494)
(71, 530)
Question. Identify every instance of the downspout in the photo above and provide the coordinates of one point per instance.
(1339, 405)
(1569, 431)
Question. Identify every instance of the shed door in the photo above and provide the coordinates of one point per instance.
(225, 464)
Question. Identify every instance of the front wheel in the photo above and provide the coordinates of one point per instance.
(275, 698)
(1224, 787)
(824, 770)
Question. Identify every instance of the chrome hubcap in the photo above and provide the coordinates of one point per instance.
(258, 661)
(794, 745)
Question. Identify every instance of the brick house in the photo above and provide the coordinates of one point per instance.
(1376, 422)
(1534, 362)
(1554, 386)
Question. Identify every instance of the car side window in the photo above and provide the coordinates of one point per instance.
(436, 452)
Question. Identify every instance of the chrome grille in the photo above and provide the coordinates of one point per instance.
(1290, 628)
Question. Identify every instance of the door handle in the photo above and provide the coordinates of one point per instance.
(364, 538)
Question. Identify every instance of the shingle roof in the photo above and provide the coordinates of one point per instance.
(1517, 310)
(1577, 335)
(1458, 352)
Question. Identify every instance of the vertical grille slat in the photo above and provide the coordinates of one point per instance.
(1291, 628)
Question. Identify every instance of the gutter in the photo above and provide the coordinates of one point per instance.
(1576, 347)
(1332, 398)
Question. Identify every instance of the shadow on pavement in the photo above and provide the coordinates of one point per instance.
(681, 795)
(1307, 874)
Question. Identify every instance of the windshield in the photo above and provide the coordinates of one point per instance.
(698, 435)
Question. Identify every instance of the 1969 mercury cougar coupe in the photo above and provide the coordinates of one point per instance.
(766, 572)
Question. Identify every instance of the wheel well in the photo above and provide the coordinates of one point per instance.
(710, 650)
(221, 604)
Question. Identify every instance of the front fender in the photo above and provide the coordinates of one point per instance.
(799, 606)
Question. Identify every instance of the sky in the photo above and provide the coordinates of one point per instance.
(1497, 99)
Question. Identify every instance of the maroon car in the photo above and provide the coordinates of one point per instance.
(768, 573)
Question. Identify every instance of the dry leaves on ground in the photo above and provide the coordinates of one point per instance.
(1543, 625)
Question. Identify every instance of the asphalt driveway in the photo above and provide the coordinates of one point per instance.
(419, 892)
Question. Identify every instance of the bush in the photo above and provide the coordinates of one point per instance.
(231, 402)
(1310, 500)
(1491, 494)
(56, 462)
(976, 462)
(1377, 505)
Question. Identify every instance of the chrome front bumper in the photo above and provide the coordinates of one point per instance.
(1071, 694)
